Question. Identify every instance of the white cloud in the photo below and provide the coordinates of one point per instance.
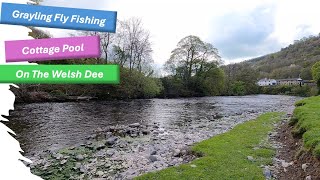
(292, 15)
(169, 21)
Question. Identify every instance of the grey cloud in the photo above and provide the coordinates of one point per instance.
(245, 35)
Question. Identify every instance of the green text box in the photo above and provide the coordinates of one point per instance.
(60, 74)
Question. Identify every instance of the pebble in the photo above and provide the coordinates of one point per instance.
(153, 158)
(304, 167)
(83, 169)
(77, 166)
(308, 177)
(176, 153)
(100, 173)
(107, 165)
(184, 152)
(285, 164)
(111, 141)
(250, 158)
(100, 146)
(267, 173)
(101, 153)
(154, 152)
(145, 132)
(110, 152)
(63, 162)
(134, 125)
(79, 157)
(58, 156)
(133, 135)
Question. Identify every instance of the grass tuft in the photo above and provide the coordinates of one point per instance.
(308, 126)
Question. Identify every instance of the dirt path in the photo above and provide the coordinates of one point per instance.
(290, 165)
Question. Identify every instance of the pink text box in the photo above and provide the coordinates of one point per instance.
(53, 49)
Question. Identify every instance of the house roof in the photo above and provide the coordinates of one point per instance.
(266, 80)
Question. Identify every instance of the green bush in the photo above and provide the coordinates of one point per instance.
(134, 84)
(302, 91)
(238, 88)
(313, 91)
(316, 72)
(151, 87)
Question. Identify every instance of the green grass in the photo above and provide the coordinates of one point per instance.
(225, 155)
(307, 123)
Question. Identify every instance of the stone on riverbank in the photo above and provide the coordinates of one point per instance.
(134, 125)
(153, 158)
(176, 152)
(79, 157)
(111, 141)
(110, 152)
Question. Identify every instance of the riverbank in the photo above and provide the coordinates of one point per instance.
(116, 152)
(124, 152)
(242, 153)
(43, 97)
(34, 95)
(298, 156)
(292, 161)
(130, 138)
(306, 123)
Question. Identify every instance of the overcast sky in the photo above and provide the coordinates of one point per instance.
(239, 29)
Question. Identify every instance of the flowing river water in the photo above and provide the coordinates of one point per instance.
(180, 122)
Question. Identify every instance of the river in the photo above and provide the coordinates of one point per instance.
(42, 126)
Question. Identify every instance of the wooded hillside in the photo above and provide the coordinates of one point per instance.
(291, 61)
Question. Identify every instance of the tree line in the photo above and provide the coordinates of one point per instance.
(130, 48)
(193, 69)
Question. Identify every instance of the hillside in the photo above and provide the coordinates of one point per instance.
(291, 61)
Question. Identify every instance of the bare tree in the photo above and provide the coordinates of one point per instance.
(129, 47)
(106, 39)
(132, 45)
(39, 34)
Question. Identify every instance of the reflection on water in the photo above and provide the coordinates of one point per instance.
(42, 126)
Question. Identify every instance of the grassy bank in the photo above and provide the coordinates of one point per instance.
(226, 156)
(307, 123)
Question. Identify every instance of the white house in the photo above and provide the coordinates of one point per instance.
(267, 82)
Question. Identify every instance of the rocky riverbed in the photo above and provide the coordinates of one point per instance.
(124, 139)
(126, 151)
(117, 152)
